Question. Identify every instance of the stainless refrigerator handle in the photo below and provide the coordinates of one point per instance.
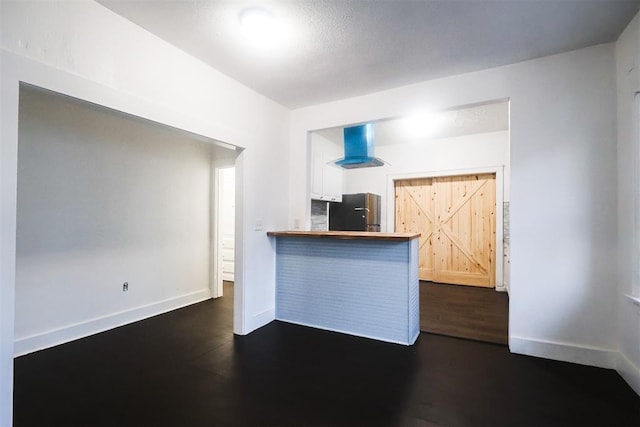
(362, 209)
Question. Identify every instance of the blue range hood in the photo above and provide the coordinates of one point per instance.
(358, 148)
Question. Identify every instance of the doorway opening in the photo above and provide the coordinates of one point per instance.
(113, 218)
(458, 252)
(457, 197)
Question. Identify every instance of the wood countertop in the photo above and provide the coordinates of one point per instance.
(346, 235)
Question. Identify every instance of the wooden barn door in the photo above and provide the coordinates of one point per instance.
(465, 228)
(414, 213)
(456, 216)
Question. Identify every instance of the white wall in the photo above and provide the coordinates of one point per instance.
(425, 156)
(628, 81)
(563, 208)
(104, 199)
(84, 50)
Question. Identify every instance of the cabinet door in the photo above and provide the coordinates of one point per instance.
(326, 178)
(332, 183)
(317, 169)
(332, 174)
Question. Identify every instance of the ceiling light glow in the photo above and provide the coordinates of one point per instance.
(423, 124)
(260, 26)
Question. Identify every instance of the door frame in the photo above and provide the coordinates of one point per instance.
(497, 170)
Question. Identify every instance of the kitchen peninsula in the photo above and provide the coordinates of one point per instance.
(359, 283)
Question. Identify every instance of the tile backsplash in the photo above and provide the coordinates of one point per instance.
(319, 215)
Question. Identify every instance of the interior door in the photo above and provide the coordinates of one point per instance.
(456, 217)
(414, 213)
(226, 224)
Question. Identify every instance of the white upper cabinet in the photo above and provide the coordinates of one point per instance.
(326, 179)
(317, 166)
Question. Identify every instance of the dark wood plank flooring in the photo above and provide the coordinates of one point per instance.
(464, 311)
(185, 368)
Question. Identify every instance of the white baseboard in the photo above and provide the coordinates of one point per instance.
(65, 334)
(566, 352)
(629, 371)
(261, 319)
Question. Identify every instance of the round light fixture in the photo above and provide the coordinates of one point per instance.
(260, 25)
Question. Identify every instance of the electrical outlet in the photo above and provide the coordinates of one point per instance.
(125, 286)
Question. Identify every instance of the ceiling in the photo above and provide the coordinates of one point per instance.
(493, 117)
(341, 48)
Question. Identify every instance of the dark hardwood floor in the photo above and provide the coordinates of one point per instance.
(185, 368)
(464, 311)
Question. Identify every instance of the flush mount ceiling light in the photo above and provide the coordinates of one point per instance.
(260, 26)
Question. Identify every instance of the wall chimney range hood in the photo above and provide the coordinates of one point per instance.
(358, 148)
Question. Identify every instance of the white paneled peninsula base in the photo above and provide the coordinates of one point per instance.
(358, 283)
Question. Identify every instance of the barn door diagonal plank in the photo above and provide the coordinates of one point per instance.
(464, 198)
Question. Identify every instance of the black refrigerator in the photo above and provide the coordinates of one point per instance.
(357, 212)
